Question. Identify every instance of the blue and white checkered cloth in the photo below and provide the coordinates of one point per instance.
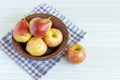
(39, 68)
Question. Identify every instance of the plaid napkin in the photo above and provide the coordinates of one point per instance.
(39, 68)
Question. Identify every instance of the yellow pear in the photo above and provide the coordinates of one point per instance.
(36, 46)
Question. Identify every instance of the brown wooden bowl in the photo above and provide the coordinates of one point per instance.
(51, 52)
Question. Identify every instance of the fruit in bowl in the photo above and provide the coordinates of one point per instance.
(40, 26)
(21, 31)
(36, 46)
(53, 38)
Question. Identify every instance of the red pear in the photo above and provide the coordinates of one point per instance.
(21, 31)
(40, 26)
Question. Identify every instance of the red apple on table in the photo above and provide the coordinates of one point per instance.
(40, 26)
(76, 53)
(53, 38)
(36, 47)
(21, 31)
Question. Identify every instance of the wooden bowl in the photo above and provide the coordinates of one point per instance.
(51, 52)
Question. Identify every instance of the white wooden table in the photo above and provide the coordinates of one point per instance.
(99, 18)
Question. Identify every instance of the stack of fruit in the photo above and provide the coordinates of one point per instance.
(38, 35)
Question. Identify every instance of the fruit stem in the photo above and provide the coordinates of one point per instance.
(49, 17)
(24, 17)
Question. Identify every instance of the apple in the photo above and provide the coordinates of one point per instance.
(53, 38)
(76, 53)
(36, 46)
(21, 31)
(40, 26)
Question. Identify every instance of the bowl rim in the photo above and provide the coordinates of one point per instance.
(59, 50)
